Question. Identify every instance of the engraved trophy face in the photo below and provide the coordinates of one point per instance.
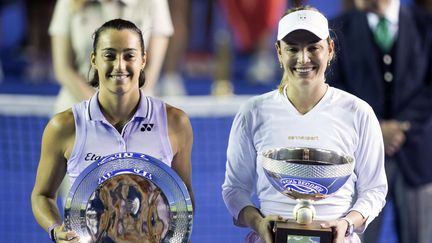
(128, 208)
(307, 175)
(129, 197)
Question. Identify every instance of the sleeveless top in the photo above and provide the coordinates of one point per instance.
(95, 137)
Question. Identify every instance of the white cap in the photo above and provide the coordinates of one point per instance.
(310, 20)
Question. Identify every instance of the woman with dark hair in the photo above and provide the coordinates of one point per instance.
(111, 121)
(73, 22)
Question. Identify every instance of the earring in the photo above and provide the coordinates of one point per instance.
(280, 65)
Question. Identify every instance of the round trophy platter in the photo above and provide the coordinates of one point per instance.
(129, 197)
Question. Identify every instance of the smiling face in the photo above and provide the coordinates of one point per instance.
(304, 58)
(118, 60)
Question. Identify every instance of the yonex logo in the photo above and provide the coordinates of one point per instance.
(146, 127)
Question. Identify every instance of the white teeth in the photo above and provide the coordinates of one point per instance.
(119, 77)
(303, 70)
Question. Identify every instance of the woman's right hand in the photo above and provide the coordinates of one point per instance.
(264, 227)
(61, 235)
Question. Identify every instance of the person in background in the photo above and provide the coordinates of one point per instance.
(426, 4)
(385, 58)
(252, 26)
(74, 20)
(39, 68)
(109, 122)
(171, 82)
(305, 112)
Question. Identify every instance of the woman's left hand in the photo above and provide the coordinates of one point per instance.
(62, 235)
(339, 228)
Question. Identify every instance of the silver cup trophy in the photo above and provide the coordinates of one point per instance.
(129, 197)
(307, 175)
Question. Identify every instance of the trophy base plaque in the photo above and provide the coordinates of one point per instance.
(292, 232)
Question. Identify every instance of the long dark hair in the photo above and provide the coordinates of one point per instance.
(117, 24)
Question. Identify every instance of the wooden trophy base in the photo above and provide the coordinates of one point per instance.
(291, 232)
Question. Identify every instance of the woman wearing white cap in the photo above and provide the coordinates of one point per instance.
(305, 112)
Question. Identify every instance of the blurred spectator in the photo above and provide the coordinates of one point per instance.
(348, 5)
(425, 4)
(172, 83)
(75, 20)
(38, 51)
(297, 3)
(385, 58)
(252, 24)
(1, 72)
(222, 85)
(2, 3)
(12, 36)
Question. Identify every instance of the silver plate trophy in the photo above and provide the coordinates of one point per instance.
(307, 175)
(129, 197)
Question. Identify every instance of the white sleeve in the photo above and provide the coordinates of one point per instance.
(161, 18)
(240, 175)
(371, 185)
(60, 21)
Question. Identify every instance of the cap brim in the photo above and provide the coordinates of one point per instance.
(308, 20)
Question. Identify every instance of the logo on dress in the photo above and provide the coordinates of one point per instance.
(146, 127)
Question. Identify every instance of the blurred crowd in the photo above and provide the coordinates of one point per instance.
(222, 40)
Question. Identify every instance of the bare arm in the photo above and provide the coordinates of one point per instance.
(156, 54)
(58, 134)
(181, 137)
(65, 70)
